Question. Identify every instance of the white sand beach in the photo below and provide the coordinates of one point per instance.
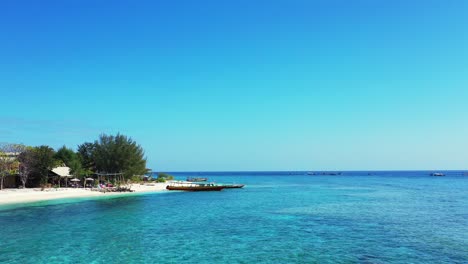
(12, 196)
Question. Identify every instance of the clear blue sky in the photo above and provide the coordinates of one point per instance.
(242, 85)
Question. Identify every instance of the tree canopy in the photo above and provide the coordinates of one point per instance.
(44, 161)
(70, 159)
(85, 154)
(65, 155)
(113, 154)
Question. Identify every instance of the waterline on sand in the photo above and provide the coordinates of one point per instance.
(26, 196)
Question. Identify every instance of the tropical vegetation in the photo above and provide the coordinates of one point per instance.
(107, 154)
(163, 177)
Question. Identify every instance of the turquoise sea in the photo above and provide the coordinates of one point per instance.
(356, 217)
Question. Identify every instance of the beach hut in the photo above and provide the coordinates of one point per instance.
(63, 173)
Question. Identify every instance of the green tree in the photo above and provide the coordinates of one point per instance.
(65, 155)
(165, 176)
(70, 159)
(44, 162)
(75, 167)
(118, 153)
(86, 156)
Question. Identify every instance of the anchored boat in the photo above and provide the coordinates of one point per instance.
(232, 186)
(194, 187)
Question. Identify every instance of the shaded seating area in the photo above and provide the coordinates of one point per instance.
(88, 182)
(75, 183)
(103, 182)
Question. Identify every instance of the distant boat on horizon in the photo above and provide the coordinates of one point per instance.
(437, 174)
(196, 179)
(323, 173)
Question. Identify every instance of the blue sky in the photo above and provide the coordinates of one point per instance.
(242, 85)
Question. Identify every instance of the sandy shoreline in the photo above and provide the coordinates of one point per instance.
(14, 196)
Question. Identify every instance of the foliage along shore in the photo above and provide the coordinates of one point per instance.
(109, 154)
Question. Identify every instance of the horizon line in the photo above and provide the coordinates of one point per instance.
(412, 170)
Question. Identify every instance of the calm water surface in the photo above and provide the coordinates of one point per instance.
(275, 219)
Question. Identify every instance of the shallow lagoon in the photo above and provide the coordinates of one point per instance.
(276, 218)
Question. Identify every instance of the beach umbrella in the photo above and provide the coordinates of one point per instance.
(75, 180)
(89, 179)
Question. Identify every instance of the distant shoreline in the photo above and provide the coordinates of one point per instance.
(321, 173)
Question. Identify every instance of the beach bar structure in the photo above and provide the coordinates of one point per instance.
(63, 173)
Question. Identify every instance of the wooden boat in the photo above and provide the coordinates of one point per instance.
(232, 186)
(196, 179)
(194, 187)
